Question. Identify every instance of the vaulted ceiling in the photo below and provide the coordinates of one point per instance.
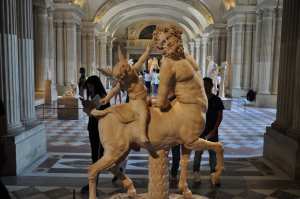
(192, 16)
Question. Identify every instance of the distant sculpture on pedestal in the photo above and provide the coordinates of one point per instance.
(211, 65)
(49, 73)
(130, 62)
(169, 124)
(73, 93)
(154, 65)
(93, 70)
(214, 74)
(222, 72)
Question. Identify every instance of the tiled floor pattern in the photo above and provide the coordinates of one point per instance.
(240, 132)
(245, 177)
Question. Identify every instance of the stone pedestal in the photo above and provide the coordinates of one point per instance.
(72, 110)
(237, 93)
(266, 101)
(62, 89)
(282, 151)
(23, 149)
(50, 91)
(227, 103)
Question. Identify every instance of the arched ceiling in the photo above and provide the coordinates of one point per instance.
(193, 16)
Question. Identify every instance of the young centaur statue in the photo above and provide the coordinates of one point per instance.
(169, 124)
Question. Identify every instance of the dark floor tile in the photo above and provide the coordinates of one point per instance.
(117, 191)
(77, 157)
(27, 192)
(48, 163)
(58, 193)
(283, 195)
(217, 194)
(260, 166)
(251, 194)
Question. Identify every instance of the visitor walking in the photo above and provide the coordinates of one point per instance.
(214, 117)
(81, 84)
(157, 79)
(153, 82)
(148, 81)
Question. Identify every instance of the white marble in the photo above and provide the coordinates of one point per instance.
(228, 57)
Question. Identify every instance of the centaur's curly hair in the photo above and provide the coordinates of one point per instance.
(176, 48)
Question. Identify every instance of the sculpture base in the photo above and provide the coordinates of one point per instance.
(226, 103)
(266, 101)
(146, 196)
(71, 111)
(50, 92)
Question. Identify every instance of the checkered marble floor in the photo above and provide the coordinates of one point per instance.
(241, 133)
(56, 175)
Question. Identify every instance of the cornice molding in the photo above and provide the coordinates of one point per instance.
(70, 8)
(238, 10)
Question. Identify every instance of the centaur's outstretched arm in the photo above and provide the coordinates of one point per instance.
(167, 75)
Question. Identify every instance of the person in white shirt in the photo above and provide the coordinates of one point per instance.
(153, 81)
(147, 81)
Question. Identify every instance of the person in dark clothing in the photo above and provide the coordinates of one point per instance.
(214, 117)
(82, 80)
(3, 158)
(94, 87)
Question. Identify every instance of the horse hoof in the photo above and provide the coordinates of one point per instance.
(187, 194)
(217, 168)
(215, 178)
(131, 193)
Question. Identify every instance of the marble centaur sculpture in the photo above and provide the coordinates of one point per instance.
(73, 91)
(169, 124)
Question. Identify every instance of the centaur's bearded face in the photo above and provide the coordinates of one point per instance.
(168, 41)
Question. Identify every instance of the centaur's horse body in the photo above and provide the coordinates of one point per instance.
(180, 122)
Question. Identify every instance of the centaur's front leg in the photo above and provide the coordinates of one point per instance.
(185, 160)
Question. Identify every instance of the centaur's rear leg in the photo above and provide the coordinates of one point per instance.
(201, 145)
(108, 161)
(185, 160)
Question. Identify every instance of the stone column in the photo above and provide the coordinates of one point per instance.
(50, 44)
(97, 58)
(70, 49)
(84, 54)
(103, 62)
(9, 81)
(215, 49)
(247, 57)
(197, 46)
(228, 56)
(42, 47)
(288, 81)
(110, 45)
(60, 54)
(209, 46)
(236, 57)
(276, 57)
(78, 47)
(26, 64)
(266, 50)
(91, 53)
(223, 49)
(192, 47)
(257, 51)
(203, 63)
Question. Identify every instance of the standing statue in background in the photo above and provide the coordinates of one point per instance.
(211, 66)
(130, 62)
(154, 65)
(93, 69)
(222, 72)
(49, 73)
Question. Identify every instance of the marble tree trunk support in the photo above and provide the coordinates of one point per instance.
(197, 46)
(192, 48)
(266, 50)
(42, 47)
(276, 57)
(288, 68)
(257, 51)
(236, 57)
(228, 57)
(26, 64)
(9, 78)
(247, 57)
